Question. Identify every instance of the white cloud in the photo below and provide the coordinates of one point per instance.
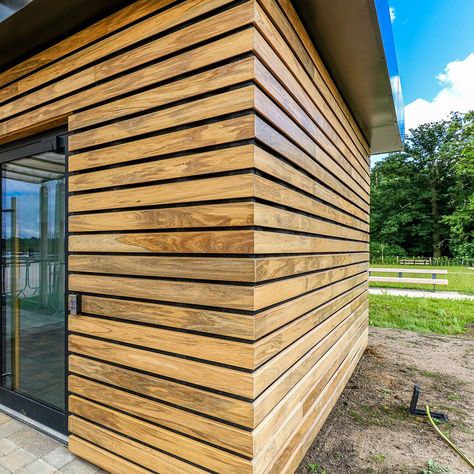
(456, 95)
(393, 15)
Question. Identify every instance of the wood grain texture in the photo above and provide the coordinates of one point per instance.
(302, 375)
(205, 268)
(306, 113)
(216, 268)
(288, 413)
(129, 449)
(211, 215)
(276, 242)
(277, 267)
(274, 343)
(209, 321)
(104, 459)
(302, 132)
(216, 242)
(218, 231)
(310, 343)
(200, 83)
(103, 27)
(192, 398)
(168, 44)
(276, 292)
(320, 410)
(204, 294)
(294, 36)
(226, 131)
(283, 122)
(199, 373)
(319, 165)
(195, 164)
(276, 366)
(266, 189)
(195, 451)
(271, 165)
(297, 24)
(58, 112)
(239, 354)
(200, 427)
(202, 109)
(225, 187)
(275, 317)
(121, 39)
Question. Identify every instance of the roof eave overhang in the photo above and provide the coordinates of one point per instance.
(30, 26)
(355, 40)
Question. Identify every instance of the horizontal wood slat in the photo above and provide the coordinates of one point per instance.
(168, 44)
(58, 112)
(186, 88)
(122, 39)
(216, 161)
(218, 231)
(225, 131)
(199, 373)
(209, 294)
(200, 320)
(114, 464)
(178, 115)
(200, 427)
(192, 398)
(218, 350)
(212, 215)
(127, 448)
(217, 242)
(210, 457)
(108, 25)
(225, 187)
(226, 269)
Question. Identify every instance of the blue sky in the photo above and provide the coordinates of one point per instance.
(28, 202)
(434, 41)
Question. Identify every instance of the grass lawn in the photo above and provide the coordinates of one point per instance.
(460, 278)
(441, 316)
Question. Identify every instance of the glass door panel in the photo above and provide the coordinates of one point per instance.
(33, 278)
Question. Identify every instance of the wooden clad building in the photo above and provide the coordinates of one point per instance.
(216, 190)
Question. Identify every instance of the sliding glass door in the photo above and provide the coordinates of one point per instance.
(33, 280)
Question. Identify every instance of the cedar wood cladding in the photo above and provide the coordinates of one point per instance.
(218, 233)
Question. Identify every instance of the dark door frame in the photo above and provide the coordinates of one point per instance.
(53, 418)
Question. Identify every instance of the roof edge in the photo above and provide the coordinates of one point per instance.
(355, 41)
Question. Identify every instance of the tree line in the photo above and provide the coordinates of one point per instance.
(422, 199)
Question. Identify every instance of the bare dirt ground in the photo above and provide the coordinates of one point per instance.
(370, 430)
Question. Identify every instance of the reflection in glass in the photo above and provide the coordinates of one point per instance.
(33, 199)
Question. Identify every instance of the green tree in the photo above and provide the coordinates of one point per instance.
(399, 214)
(421, 197)
(461, 221)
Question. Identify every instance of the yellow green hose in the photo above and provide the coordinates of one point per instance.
(468, 461)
